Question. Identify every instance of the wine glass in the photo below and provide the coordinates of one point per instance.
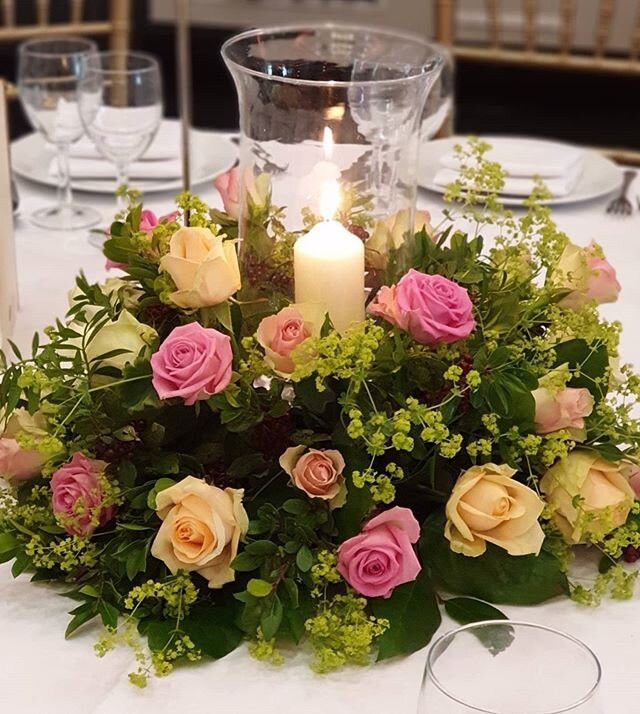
(439, 107)
(120, 98)
(506, 667)
(48, 74)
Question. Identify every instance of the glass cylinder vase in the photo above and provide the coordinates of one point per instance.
(330, 122)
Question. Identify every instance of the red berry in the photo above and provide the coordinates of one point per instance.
(631, 554)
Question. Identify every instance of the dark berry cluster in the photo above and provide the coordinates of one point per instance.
(631, 554)
(115, 450)
(359, 231)
(156, 315)
(273, 435)
(260, 274)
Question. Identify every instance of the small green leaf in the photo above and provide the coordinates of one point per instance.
(271, 619)
(259, 588)
(296, 507)
(81, 615)
(245, 562)
(108, 613)
(304, 559)
(7, 542)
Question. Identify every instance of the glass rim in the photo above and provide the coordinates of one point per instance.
(511, 623)
(152, 61)
(438, 59)
(26, 46)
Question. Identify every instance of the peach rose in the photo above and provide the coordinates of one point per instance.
(487, 505)
(203, 266)
(587, 274)
(201, 529)
(281, 333)
(589, 496)
(317, 472)
(562, 409)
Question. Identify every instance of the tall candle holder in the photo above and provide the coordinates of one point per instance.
(323, 104)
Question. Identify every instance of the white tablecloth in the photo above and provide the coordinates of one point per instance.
(41, 673)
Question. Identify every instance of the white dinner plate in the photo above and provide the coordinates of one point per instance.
(211, 155)
(600, 176)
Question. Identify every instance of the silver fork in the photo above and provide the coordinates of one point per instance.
(622, 205)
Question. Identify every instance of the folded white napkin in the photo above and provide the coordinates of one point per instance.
(522, 185)
(528, 157)
(103, 169)
(165, 145)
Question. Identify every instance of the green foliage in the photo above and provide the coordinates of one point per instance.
(494, 576)
(413, 615)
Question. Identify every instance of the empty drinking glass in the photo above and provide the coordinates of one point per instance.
(48, 74)
(505, 667)
(120, 95)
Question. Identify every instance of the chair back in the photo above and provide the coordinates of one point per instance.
(549, 39)
(115, 26)
(546, 40)
(8, 268)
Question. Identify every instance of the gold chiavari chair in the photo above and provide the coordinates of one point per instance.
(561, 54)
(115, 27)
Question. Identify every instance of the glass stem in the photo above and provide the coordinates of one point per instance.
(64, 176)
(122, 169)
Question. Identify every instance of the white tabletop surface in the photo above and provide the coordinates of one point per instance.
(42, 673)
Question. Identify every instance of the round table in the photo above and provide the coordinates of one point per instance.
(41, 672)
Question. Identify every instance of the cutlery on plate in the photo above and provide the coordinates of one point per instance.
(622, 205)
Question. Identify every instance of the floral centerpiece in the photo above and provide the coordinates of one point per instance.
(197, 470)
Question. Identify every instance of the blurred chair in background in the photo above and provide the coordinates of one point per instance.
(560, 54)
(115, 26)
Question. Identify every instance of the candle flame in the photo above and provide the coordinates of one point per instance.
(327, 143)
(329, 200)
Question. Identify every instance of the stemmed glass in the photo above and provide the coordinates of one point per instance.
(48, 73)
(506, 667)
(120, 98)
(439, 107)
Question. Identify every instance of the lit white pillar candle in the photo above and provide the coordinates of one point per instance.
(328, 264)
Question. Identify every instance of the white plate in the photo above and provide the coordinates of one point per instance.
(211, 155)
(600, 176)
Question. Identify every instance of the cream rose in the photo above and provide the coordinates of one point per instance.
(589, 496)
(487, 505)
(389, 234)
(201, 529)
(125, 333)
(317, 472)
(203, 266)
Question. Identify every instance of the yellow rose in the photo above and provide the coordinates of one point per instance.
(589, 496)
(125, 333)
(203, 267)
(202, 526)
(487, 505)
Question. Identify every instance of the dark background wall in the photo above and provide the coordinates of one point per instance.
(578, 107)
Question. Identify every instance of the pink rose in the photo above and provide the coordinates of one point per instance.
(148, 221)
(194, 362)
(381, 557)
(17, 464)
(562, 409)
(78, 499)
(588, 275)
(317, 472)
(431, 308)
(280, 334)
(228, 185)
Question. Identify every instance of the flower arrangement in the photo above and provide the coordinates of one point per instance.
(199, 470)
